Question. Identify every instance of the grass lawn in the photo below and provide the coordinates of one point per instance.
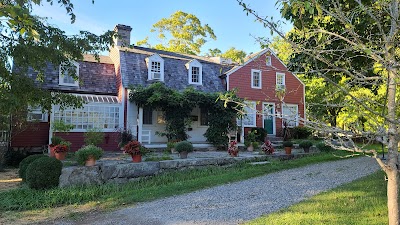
(24, 202)
(360, 202)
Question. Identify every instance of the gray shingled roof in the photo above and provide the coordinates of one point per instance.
(95, 77)
(134, 69)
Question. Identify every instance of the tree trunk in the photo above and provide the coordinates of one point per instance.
(391, 169)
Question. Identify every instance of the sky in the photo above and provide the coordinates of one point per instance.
(230, 23)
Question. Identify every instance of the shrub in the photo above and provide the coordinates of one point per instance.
(13, 158)
(94, 137)
(184, 146)
(44, 173)
(261, 133)
(287, 144)
(301, 132)
(125, 136)
(90, 150)
(23, 165)
(305, 144)
(324, 148)
(55, 140)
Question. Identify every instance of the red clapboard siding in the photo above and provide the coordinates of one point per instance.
(241, 80)
(34, 135)
(77, 140)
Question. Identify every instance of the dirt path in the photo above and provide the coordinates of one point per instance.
(9, 179)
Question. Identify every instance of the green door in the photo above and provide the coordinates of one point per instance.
(269, 118)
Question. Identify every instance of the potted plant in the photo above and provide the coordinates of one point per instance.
(61, 150)
(306, 145)
(233, 150)
(55, 140)
(94, 137)
(171, 146)
(267, 147)
(184, 147)
(288, 145)
(250, 140)
(135, 149)
(88, 155)
(125, 136)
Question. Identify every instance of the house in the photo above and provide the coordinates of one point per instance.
(105, 87)
(274, 95)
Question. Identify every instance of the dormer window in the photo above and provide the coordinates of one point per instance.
(155, 66)
(195, 72)
(66, 77)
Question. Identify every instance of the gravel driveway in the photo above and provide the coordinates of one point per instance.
(241, 201)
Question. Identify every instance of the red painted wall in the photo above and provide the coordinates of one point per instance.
(77, 139)
(241, 80)
(34, 135)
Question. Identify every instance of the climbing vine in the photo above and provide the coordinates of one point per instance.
(177, 107)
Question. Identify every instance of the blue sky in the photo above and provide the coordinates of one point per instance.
(226, 17)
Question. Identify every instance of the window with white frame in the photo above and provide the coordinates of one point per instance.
(36, 114)
(249, 118)
(256, 79)
(268, 61)
(195, 72)
(147, 115)
(290, 115)
(66, 77)
(280, 81)
(101, 116)
(155, 66)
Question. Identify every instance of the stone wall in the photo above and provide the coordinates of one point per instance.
(124, 171)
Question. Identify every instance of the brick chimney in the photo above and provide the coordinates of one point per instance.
(124, 35)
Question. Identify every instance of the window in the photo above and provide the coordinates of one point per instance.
(290, 115)
(203, 117)
(147, 115)
(195, 72)
(256, 79)
(160, 117)
(65, 77)
(280, 81)
(268, 60)
(249, 118)
(36, 114)
(155, 66)
(102, 116)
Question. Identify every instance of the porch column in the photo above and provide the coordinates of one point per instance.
(242, 132)
(51, 121)
(140, 124)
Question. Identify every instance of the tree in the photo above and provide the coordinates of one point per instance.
(358, 40)
(182, 32)
(232, 53)
(28, 42)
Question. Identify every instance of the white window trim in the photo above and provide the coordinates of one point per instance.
(155, 58)
(120, 111)
(283, 80)
(61, 77)
(252, 79)
(37, 110)
(189, 65)
(296, 117)
(252, 105)
(268, 60)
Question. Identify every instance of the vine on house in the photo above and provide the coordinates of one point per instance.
(177, 107)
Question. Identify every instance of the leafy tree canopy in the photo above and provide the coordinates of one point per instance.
(181, 32)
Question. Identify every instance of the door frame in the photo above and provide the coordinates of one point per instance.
(273, 116)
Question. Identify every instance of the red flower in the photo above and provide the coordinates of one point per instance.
(232, 148)
(60, 148)
(267, 147)
(132, 148)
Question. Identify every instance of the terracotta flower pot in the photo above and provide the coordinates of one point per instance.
(60, 155)
(288, 150)
(52, 153)
(183, 154)
(234, 154)
(250, 148)
(136, 158)
(91, 161)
